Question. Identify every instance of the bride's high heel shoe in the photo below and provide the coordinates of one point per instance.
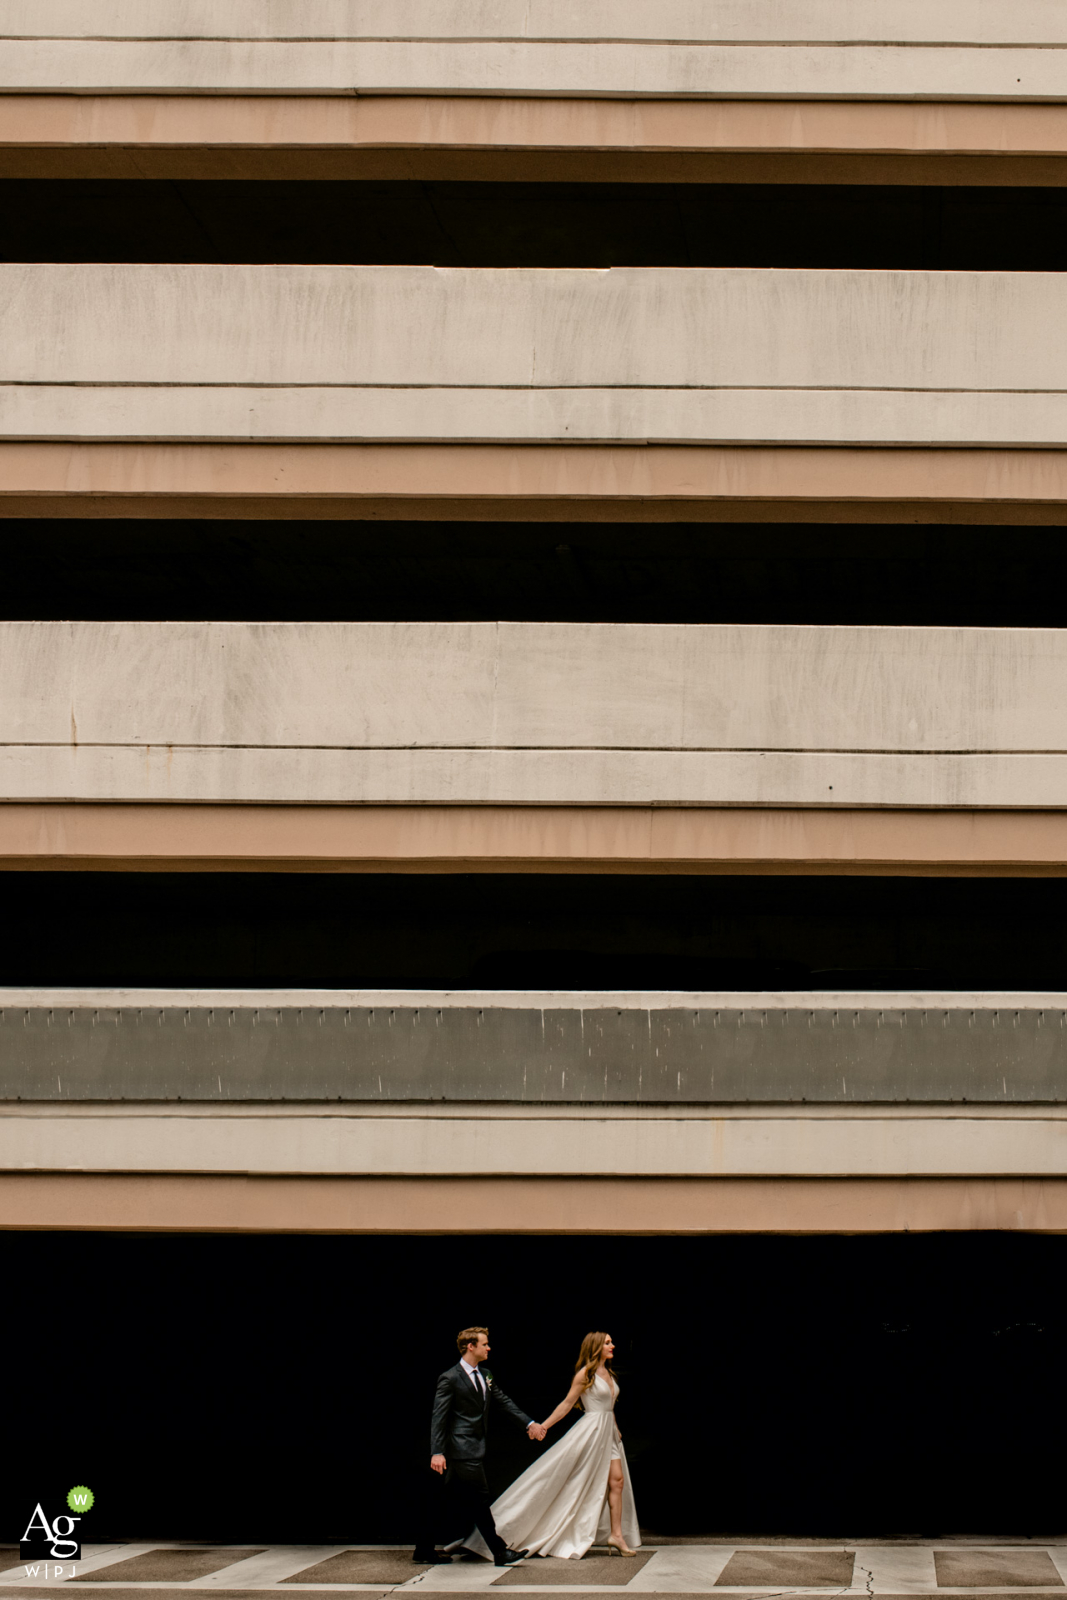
(618, 1548)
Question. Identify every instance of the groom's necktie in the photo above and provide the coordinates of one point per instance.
(479, 1384)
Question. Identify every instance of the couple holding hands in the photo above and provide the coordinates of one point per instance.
(576, 1494)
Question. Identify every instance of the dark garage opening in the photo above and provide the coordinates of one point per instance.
(353, 571)
(278, 1388)
(450, 224)
(532, 931)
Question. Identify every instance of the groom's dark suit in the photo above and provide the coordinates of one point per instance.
(462, 1408)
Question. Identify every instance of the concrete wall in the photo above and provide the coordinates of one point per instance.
(530, 415)
(533, 713)
(537, 1142)
(133, 352)
(609, 838)
(792, 68)
(538, 328)
(584, 1050)
(1038, 22)
(529, 139)
(209, 1203)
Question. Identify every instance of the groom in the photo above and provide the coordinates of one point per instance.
(465, 1399)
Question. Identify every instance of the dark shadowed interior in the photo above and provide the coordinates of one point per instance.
(279, 1389)
(365, 571)
(532, 931)
(449, 224)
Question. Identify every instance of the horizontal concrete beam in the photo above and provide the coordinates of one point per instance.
(499, 139)
(586, 68)
(364, 362)
(800, 21)
(550, 713)
(489, 838)
(609, 1206)
(426, 327)
(86, 998)
(543, 483)
(586, 1142)
(566, 1049)
(749, 416)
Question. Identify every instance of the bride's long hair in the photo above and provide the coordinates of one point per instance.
(589, 1359)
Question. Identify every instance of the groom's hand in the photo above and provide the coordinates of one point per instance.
(437, 1463)
(537, 1430)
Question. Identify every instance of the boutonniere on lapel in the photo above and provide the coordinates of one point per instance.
(488, 1380)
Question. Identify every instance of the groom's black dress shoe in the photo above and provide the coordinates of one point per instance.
(431, 1558)
(511, 1557)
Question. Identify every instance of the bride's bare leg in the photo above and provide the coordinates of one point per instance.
(615, 1498)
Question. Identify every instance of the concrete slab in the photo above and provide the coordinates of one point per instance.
(94, 1556)
(886, 1569)
(594, 67)
(459, 1578)
(983, 1568)
(680, 1570)
(362, 1566)
(158, 1591)
(591, 1570)
(905, 1569)
(275, 1565)
(426, 329)
(594, 1050)
(831, 1569)
(162, 1566)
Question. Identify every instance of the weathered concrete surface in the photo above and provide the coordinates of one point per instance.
(613, 838)
(413, 354)
(619, 837)
(481, 137)
(541, 713)
(529, 686)
(838, 1142)
(427, 327)
(567, 1049)
(204, 1203)
(198, 774)
(534, 67)
(531, 415)
(852, 21)
(630, 482)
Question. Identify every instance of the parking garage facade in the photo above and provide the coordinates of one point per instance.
(533, 764)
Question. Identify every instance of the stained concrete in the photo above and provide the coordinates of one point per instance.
(472, 328)
(163, 1566)
(592, 1571)
(891, 1569)
(986, 1568)
(534, 713)
(509, 1144)
(799, 21)
(830, 1569)
(588, 1050)
(362, 1566)
(533, 67)
(662, 416)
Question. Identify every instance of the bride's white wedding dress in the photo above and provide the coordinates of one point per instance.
(559, 1507)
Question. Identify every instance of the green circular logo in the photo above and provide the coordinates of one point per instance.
(80, 1498)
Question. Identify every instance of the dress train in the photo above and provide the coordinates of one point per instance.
(559, 1506)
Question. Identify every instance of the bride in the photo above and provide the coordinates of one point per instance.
(579, 1491)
